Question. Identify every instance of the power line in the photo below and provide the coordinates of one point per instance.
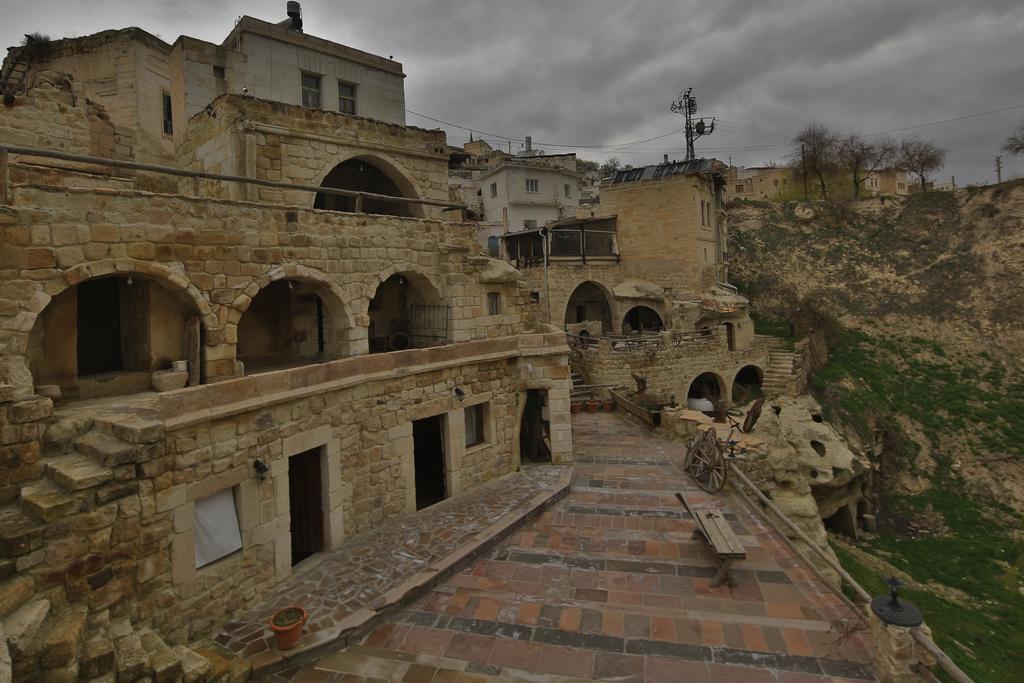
(955, 118)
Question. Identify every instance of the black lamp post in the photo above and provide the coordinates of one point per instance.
(893, 611)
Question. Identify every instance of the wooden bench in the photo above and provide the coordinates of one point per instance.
(716, 532)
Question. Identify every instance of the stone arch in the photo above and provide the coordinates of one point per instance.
(153, 315)
(746, 383)
(374, 173)
(708, 385)
(288, 295)
(642, 318)
(592, 301)
(405, 309)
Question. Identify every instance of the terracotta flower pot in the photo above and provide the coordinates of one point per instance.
(575, 407)
(609, 405)
(287, 626)
(592, 406)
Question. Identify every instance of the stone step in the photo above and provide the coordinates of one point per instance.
(377, 663)
(14, 593)
(75, 472)
(45, 502)
(108, 450)
(225, 665)
(131, 660)
(19, 534)
(60, 646)
(194, 666)
(98, 657)
(22, 628)
(164, 662)
(61, 433)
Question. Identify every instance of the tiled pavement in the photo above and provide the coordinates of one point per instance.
(344, 589)
(608, 584)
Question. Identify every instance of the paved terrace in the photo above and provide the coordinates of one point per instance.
(608, 584)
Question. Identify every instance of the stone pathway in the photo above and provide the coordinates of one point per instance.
(344, 590)
(608, 584)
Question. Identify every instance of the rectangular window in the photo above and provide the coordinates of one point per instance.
(346, 98)
(494, 189)
(493, 303)
(475, 425)
(534, 297)
(529, 225)
(165, 99)
(567, 189)
(217, 533)
(311, 91)
(219, 73)
(739, 189)
(532, 185)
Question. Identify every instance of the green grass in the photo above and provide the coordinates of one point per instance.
(775, 328)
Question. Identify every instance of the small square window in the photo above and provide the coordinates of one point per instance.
(493, 303)
(475, 424)
(311, 91)
(346, 98)
(568, 190)
(532, 185)
(529, 224)
(534, 297)
(168, 117)
(218, 72)
(217, 532)
(494, 189)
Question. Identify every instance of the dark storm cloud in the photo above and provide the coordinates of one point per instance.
(597, 72)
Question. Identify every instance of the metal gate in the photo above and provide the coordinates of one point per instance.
(428, 325)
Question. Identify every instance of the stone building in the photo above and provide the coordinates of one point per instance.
(757, 182)
(643, 282)
(180, 353)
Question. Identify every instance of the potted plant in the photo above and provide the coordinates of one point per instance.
(609, 404)
(575, 407)
(592, 406)
(287, 626)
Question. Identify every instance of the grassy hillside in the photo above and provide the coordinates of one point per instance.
(921, 300)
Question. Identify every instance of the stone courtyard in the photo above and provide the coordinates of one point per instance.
(608, 584)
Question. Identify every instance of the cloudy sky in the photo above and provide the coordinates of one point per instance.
(597, 76)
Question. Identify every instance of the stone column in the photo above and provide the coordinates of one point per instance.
(897, 654)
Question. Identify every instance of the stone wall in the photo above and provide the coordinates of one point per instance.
(669, 362)
(273, 141)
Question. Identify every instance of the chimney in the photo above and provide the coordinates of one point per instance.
(295, 15)
(529, 143)
(666, 159)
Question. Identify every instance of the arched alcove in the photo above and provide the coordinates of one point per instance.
(642, 319)
(406, 311)
(291, 322)
(372, 175)
(589, 302)
(105, 335)
(706, 386)
(746, 386)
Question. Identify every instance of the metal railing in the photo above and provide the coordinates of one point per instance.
(922, 638)
(7, 150)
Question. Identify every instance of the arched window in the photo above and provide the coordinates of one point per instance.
(406, 312)
(589, 303)
(642, 319)
(374, 177)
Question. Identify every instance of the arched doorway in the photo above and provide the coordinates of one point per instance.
(106, 335)
(366, 175)
(642, 319)
(706, 392)
(746, 386)
(588, 304)
(406, 312)
(291, 322)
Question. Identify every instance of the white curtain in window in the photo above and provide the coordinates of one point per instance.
(217, 533)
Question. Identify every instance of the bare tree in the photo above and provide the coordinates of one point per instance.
(814, 154)
(920, 157)
(611, 166)
(1015, 143)
(864, 158)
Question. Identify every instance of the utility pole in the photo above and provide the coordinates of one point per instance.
(686, 104)
(952, 179)
(803, 169)
(999, 169)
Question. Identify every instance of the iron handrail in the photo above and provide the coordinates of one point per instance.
(7, 150)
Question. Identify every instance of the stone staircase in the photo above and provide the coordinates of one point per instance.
(84, 466)
(361, 662)
(780, 374)
(578, 390)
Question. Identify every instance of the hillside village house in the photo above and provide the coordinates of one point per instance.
(641, 287)
(514, 193)
(291, 361)
(772, 182)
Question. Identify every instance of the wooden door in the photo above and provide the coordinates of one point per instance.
(305, 494)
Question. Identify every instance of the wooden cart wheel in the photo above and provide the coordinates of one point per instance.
(706, 464)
